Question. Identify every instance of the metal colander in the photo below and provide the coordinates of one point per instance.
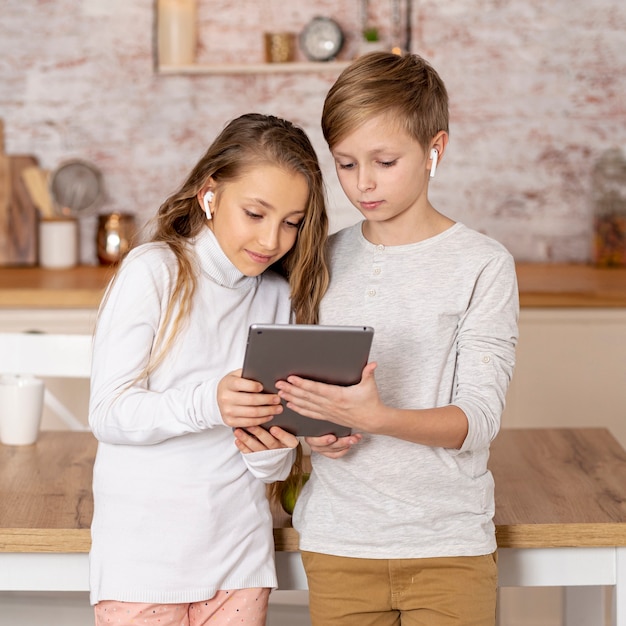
(76, 188)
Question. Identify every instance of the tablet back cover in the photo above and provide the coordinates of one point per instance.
(329, 354)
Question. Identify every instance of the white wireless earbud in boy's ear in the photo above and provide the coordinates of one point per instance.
(434, 156)
(208, 198)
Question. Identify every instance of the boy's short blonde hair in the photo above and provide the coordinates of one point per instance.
(406, 87)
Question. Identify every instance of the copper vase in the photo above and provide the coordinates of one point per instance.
(115, 237)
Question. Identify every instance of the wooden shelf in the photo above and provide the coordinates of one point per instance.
(37, 288)
(542, 285)
(560, 285)
(254, 68)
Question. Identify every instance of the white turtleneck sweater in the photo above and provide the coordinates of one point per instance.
(179, 512)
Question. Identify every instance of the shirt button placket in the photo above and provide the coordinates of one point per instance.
(377, 270)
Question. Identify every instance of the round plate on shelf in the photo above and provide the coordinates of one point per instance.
(321, 39)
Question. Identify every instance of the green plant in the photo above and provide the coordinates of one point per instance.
(370, 33)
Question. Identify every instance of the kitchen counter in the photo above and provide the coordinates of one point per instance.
(37, 288)
(542, 285)
(545, 285)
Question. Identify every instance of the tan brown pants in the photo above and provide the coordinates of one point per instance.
(450, 591)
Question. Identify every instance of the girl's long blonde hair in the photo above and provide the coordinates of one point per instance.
(247, 142)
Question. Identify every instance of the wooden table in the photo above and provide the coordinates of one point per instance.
(560, 516)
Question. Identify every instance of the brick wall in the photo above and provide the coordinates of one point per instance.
(537, 95)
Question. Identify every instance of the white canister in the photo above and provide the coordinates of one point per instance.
(21, 407)
(58, 242)
(177, 31)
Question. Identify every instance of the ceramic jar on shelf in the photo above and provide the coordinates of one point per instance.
(609, 209)
(177, 31)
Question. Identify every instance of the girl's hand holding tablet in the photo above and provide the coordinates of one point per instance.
(244, 406)
(257, 439)
(243, 403)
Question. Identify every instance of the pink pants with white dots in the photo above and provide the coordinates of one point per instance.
(238, 606)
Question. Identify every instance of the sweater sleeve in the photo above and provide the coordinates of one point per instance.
(123, 408)
(270, 465)
(486, 350)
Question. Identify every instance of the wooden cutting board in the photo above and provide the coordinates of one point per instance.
(19, 217)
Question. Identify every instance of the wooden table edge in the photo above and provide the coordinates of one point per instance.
(580, 535)
(66, 540)
(53, 540)
(22, 540)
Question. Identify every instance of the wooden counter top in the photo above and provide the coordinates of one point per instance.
(554, 488)
(45, 490)
(579, 286)
(37, 288)
(541, 285)
(559, 487)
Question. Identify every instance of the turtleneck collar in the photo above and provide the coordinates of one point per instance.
(216, 265)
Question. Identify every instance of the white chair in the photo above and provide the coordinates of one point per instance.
(48, 356)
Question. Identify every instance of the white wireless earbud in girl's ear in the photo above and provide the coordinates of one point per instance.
(434, 156)
(208, 198)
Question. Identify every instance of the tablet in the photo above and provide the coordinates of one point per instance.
(329, 354)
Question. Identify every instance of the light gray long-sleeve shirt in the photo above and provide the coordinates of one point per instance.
(445, 313)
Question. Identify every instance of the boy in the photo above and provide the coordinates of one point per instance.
(398, 529)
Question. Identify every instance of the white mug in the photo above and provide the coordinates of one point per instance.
(21, 408)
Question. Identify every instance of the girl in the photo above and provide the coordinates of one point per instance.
(182, 531)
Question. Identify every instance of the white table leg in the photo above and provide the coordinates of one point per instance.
(584, 605)
(290, 571)
(619, 594)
